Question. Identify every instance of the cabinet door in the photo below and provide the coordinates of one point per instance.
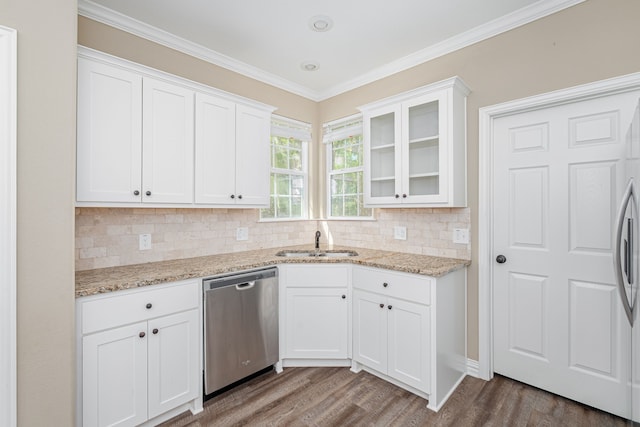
(424, 149)
(370, 330)
(215, 150)
(253, 163)
(174, 352)
(316, 323)
(114, 377)
(109, 134)
(409, 343)
(167, 143)
(382, 156)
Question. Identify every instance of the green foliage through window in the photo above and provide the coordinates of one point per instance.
(346, 182)
(288, 179)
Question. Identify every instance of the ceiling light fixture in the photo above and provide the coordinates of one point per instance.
(309, 65)
(320, 23)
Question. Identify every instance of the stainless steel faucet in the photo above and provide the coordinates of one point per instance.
(317, 242)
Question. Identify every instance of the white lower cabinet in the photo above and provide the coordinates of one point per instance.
(410, 329)
(392, 336)
(315, 321)
(140, 354)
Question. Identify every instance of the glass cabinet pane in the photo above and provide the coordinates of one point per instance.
(382, 155)
(423, 121)
(383, 130)
(424, 149)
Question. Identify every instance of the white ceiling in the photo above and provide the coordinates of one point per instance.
(269, 39)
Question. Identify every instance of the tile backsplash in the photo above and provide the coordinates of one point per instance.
(108, 237)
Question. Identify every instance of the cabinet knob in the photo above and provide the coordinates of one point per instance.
(148, 193)
(141, 334)
(397, 196)
(344, 296)
(501, 259)
(233, 196)
(385, 284)
(155, 331)
(381, 305)
(404, 196)
(239, 196)
(389, 306)
(136, 193)
(149, 305)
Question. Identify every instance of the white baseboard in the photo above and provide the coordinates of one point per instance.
(473, 368)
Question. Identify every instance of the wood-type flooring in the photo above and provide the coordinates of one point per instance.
(338, 397)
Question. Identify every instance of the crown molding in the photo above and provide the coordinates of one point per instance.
(500, 25)
(107, 16)
(538, 10)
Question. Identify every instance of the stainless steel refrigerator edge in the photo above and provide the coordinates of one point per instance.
(240, 326)
(627, 260)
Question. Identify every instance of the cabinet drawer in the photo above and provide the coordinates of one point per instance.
(117, 309)
(303, 276)
(397, 285)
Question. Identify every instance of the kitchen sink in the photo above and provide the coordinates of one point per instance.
(312, 253)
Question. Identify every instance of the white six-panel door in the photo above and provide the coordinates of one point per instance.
(558, 321)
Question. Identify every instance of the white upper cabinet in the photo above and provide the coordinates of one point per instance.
(109, 133)
(232, 153)
(148, 138)
(167, 143)
(253, 161)
(215, 149)
(415, 147)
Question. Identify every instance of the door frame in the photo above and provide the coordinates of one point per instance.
(8, 242)
(487, 117)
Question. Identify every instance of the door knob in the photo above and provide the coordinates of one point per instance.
(501, 259)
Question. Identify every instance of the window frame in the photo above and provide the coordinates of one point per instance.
(334, 131)
(284, 127)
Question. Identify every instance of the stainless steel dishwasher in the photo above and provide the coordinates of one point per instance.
(240, 326)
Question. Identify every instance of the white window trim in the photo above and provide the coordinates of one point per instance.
(285, 127)
(335, 131)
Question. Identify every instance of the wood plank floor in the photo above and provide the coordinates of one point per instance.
(338, 397)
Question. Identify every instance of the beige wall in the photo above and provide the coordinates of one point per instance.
(588, 42)
(594, 40)
(46, 164)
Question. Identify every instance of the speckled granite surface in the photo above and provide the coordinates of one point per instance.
(103, 280)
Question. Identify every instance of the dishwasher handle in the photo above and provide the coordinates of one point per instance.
(245, 286)
(213, 283)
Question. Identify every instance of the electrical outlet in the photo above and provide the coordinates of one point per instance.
(242, 233)
(144, 242)
(400, 232)
(461, 235)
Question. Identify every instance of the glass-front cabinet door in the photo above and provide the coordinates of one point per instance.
(424, 150)
(383, 155)
(415, 148)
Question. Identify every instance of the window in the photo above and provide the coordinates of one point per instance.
(289, 140)
(345, 169)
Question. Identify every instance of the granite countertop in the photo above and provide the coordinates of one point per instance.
(91, 282)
